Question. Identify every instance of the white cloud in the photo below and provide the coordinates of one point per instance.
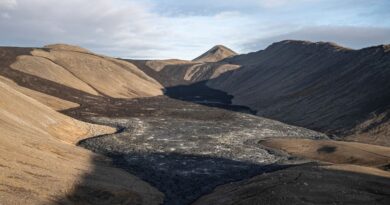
(7, 4)
(227, 14)
(179, 29)
(118, 27)
(279, 3)
(110, 26)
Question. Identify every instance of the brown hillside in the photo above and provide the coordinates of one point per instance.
(40, 165)
(51, 101)
(80, 69)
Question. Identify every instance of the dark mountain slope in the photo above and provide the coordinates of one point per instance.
(321, 86)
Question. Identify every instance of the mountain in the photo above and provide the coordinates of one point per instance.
(317, 85)
(320, 86)
(79, 69)
(52, 96)
(40, 164)
(174, 72)
(215, 54)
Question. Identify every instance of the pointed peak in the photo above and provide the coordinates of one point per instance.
(221, 47)
(215, 54)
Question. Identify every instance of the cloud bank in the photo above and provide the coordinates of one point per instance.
(184, 29)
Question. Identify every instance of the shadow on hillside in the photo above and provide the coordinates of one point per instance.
(178, 88)
(104, 186)
(200, 93)
(184, 183)
(182, 178)
(303, 185)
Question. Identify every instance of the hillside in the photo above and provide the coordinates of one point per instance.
(320, 86)
(51, 101)
(37, 145)
(305, 184)
(77, 68)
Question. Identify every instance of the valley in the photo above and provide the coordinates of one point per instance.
(185, 149)
(179, 132)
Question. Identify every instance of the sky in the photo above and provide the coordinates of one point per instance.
(161, 29)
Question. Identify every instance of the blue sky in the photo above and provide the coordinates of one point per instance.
(157, 29)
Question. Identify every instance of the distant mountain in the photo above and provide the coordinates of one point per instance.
(173, 72)
(216, 53)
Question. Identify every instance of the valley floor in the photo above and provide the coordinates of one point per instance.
(186, 150)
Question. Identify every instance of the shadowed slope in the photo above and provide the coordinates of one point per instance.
(315, 85)
(310, 184)
(321, 86)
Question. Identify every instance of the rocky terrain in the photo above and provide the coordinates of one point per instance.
(185, 149)
(191, 145)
